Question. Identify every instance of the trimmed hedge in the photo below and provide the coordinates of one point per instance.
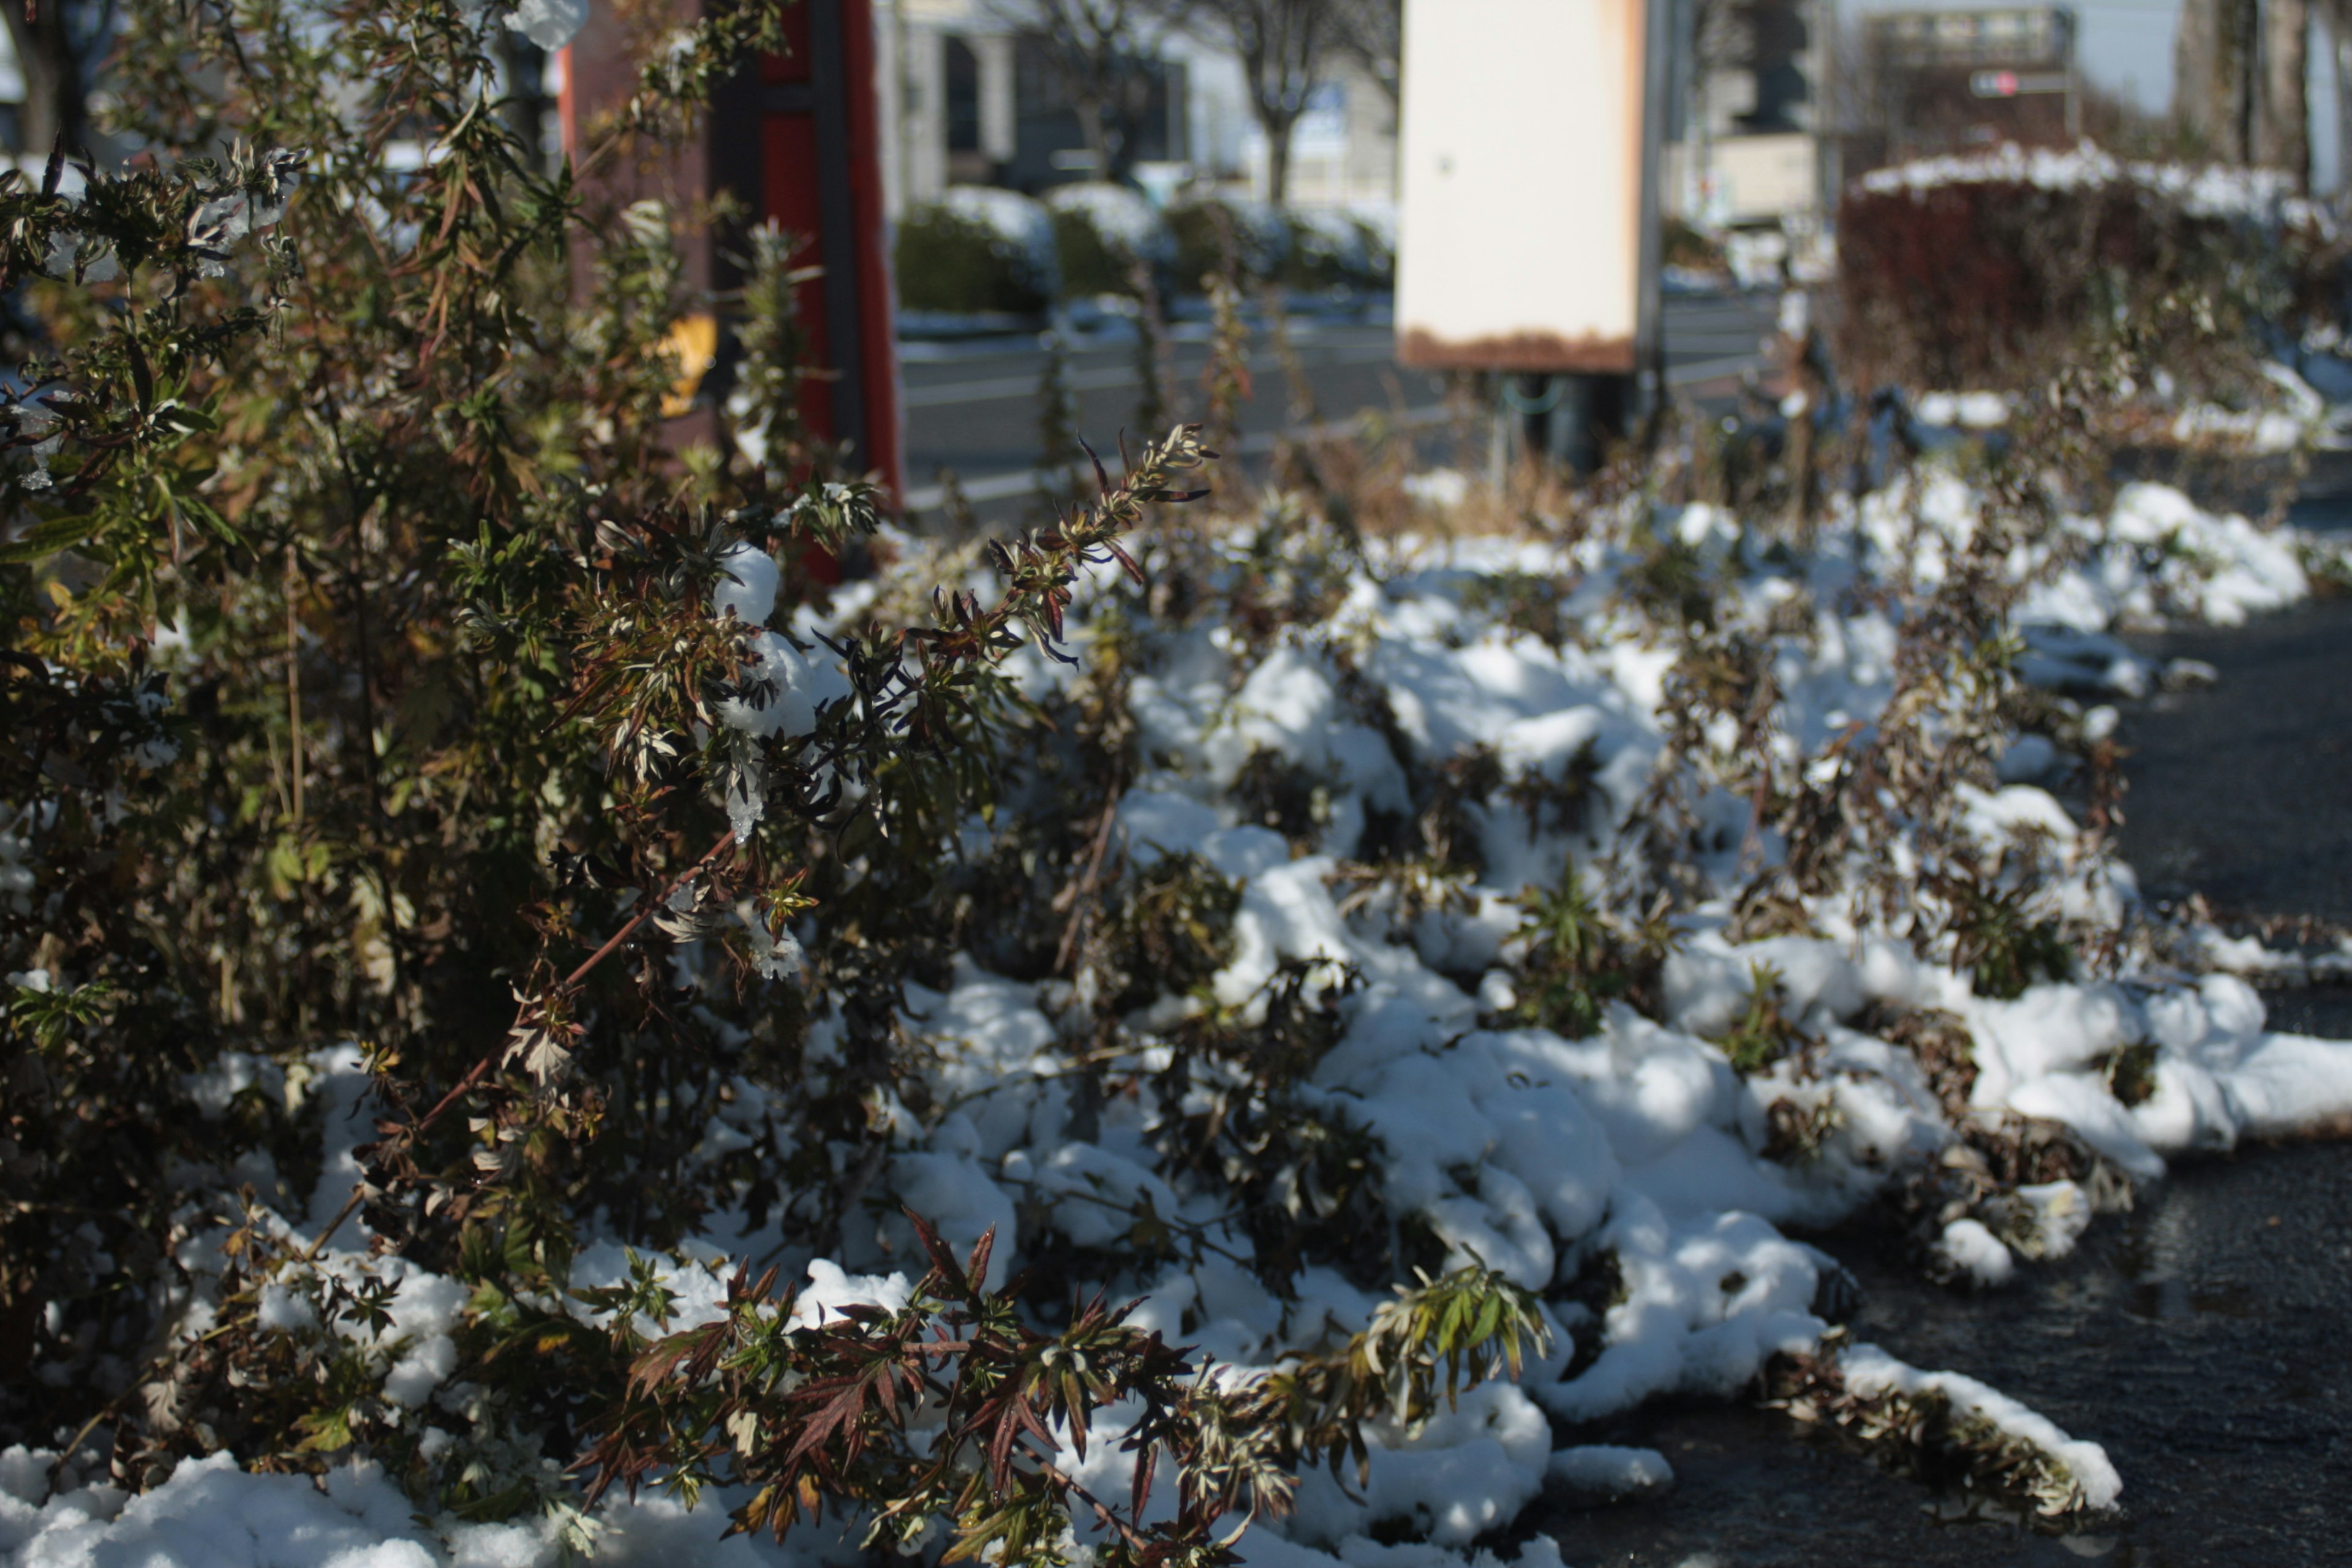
(1993, 283)
(1098, 229)
(1259, 231)
(949, 257)
(1332, 250)
(978, 251)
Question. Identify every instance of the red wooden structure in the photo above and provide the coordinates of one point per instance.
(798, 140)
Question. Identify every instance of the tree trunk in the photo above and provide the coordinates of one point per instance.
(2285, 141)
(2194, 42)
(2238, 94)
(2213, 67)
(54, 100)
(2340, 51)
(1093, 131)
(1278, 158)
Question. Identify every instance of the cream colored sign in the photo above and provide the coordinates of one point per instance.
(1520, 236)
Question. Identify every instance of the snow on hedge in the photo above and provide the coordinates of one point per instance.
(1021, 225)
(1123, 217)
(2203, 190)
(1332, 235)
(1638, 1150)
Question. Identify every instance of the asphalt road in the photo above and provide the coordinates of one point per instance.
(972, 407)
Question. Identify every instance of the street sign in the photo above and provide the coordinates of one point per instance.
(1528, 233)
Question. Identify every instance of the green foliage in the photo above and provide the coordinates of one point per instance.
(1306, 1184)
(1564, 803)
(1680, 244)
(1094, 263)
(1924, 1432)
(1228, 373)
(1173, 929)
(1670, 583)
(1429, 1344)
(1576, 959)
(1335, 253)
(2131, 1072)
(2004, 948)
(944, 261)
(1275, 792)
(362, 683)
(1764, 1032)
(1217, 237)
(2327, 565)
(1527, 601)
(771, 374)
(829, 1413)
(1058, 447)
(365, 713)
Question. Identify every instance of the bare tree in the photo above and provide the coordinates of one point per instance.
(2339, 17)
(2284, 139)
(2213, 94)
(1372, 33)
(1105, 54)
(1284, 47)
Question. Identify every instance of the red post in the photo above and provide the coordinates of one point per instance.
(820, 176)
(798, 140)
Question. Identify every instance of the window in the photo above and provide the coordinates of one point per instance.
(962, 97)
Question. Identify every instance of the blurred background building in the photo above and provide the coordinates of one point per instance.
(1748, 121)
(980, 92)
(1953, 81)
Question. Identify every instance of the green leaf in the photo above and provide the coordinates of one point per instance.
(45, 538)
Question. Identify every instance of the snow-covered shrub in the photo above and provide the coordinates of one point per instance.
(462, 856)
(1991, 272)
(977, 250)
(536, 962)
(1331, 249)
(1207, 227)
(1685, 248)
(1101, 232)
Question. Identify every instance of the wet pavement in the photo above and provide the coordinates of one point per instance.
(2205, 1339)
(2243, 791)
(2202, 1339)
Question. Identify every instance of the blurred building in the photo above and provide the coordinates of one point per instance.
(1747, 120)
(970, 97)
(1950, 81)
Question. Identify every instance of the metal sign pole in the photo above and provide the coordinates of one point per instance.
(1649, 340)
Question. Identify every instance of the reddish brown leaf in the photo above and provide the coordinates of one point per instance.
(976, 1275)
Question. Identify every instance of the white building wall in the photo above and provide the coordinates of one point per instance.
(923, 123)
(1217, 123)
(1342, 154)
(997, 128)
(1766, 179)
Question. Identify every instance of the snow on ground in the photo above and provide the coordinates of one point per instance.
(1637, 1150)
